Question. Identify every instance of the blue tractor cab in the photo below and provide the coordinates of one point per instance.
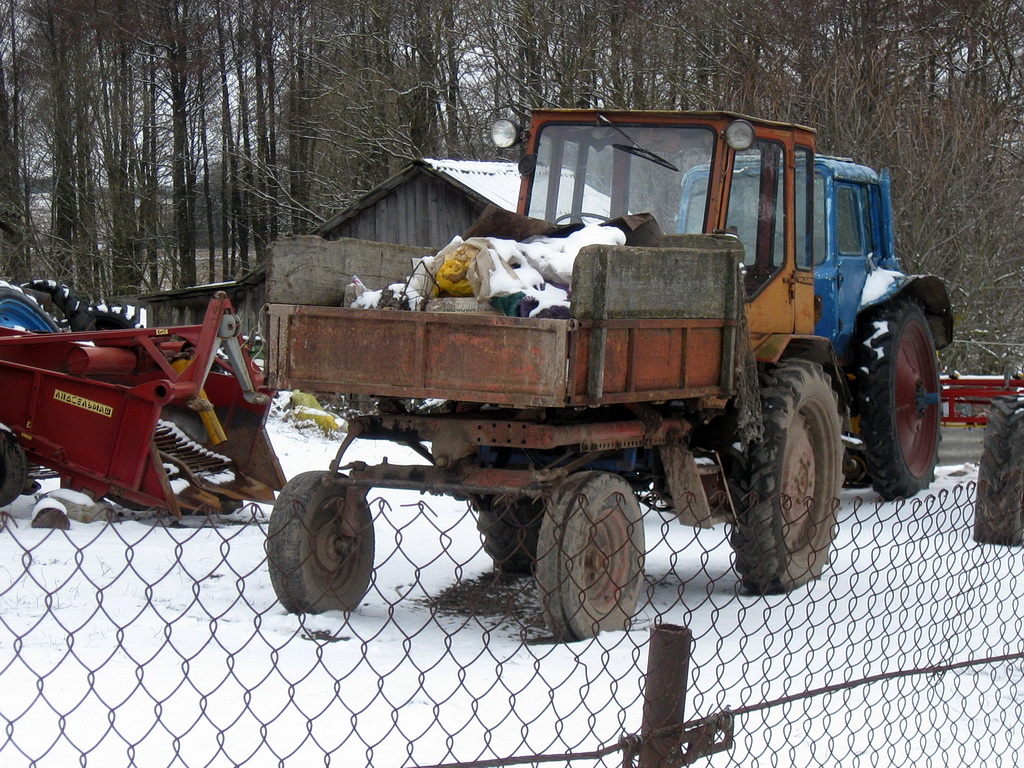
(855, 257)
(855, 262)
(883, 324)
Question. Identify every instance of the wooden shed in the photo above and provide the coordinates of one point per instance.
(188, 305)
(425, 205)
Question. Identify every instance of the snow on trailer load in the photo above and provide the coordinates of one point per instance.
(171, 418)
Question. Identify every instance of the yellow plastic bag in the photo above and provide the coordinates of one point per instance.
(451, 277)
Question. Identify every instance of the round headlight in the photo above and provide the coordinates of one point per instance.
(739, 135)
(505, 134)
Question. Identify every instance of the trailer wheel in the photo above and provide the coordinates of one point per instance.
(510, 528)
(19, 310)
(320, 544)
(898, 393)
(590, 556)
(999, 508)
(786, 519)
(13, 468)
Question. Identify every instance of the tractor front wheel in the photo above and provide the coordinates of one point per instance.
(786, 520)
(898, 399)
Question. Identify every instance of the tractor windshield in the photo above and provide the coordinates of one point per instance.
(592, 173)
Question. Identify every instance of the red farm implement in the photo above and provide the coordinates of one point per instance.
(966, 399)
(171, 418)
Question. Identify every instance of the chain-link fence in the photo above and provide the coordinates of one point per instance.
(140, 643)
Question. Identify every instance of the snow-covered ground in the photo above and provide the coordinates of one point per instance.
(143, 644)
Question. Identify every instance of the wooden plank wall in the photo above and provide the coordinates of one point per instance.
(248, 300)
(311, 270)
(424, 211)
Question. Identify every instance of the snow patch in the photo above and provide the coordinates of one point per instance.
(48, 503)
(879, 284)
(223, 477)
(881, 329)
(74, 497)
(178, 576)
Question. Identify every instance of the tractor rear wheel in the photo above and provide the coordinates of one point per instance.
(320, 544)
(117, 318)
(786, 520)
(590, 556)
(898, 398)
(19, 310)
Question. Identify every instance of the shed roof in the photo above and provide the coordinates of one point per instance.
(251, 278)
(498, 182)
(494, 182)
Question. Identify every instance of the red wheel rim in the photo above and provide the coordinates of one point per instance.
(606, 559)
(916, 399)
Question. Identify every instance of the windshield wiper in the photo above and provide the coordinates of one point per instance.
(634, 148)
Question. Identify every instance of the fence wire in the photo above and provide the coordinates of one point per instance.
(157, 643)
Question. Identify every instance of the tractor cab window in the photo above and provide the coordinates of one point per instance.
(591, 173)
(804, 216)
(755, 213)
(848, 232)
(820, 219)
(854, 235)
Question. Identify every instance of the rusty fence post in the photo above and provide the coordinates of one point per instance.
(668, 670)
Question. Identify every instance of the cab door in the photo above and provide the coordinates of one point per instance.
(850, 246)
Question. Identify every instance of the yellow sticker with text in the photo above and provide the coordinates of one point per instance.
(82, 402)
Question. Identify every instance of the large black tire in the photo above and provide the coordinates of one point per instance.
(117, 318)
(898, 399)
(13, 468)
(80, 316)
(999, 507)
(65, 301)
(510, 528)
(320, 544)
(786, 519)
(590, 556)
(19, 310)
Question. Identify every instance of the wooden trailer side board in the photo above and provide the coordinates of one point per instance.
(473, 357)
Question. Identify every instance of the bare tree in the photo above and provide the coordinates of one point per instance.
(148, 145)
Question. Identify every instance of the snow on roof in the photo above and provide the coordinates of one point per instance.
(496, 181)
